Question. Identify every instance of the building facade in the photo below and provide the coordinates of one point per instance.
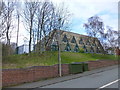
(23, 49)
(74, 42)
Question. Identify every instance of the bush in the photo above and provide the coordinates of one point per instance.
(81, 50)
(6, 50)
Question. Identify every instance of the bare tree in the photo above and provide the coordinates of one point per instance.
(2, 19)
(29, 12)
(49, 18)
(94, 28)
(111, 38)
(60, 21)
(44, 19)
(6, 23)
(41, 18)
(8, 15)
(61, 17)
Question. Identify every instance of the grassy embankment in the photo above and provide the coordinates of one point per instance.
(50, 58)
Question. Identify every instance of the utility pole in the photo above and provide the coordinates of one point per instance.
(17, 33)
(59, 56)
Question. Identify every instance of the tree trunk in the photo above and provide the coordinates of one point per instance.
(30, 40)
(40, 43)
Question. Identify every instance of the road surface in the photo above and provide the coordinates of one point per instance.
(105, 79)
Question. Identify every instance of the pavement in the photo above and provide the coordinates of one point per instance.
(104, 79)
(65, 80)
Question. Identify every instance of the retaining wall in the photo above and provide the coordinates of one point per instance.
(18, 76)
(101, 63)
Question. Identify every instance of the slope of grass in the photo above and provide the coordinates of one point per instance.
(50, 58)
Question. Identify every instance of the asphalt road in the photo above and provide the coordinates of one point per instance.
(105, 79)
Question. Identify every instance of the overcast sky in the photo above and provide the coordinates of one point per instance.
(107, 10)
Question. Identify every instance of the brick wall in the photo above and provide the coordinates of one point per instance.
(101, 63)
(117, 51)
(18, 76)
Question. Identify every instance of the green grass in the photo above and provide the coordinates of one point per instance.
(50, 58)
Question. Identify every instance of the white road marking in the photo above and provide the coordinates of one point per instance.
(108, 84)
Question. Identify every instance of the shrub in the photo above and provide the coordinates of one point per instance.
(7, 50)
(81, 50)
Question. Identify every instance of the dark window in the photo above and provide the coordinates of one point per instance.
(76, 49)
(86, 50)
(54, 47)
(67, 48)
(84, 46)
(73, 40)
(91, 50)
(65, 38)
(93, 44)
(97, 50)
(81, 41)
(88, 43)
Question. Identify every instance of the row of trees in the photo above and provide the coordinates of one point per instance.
(107, 36)
(39, 19)
(6, 16)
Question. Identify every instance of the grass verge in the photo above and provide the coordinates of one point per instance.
(50, 58)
